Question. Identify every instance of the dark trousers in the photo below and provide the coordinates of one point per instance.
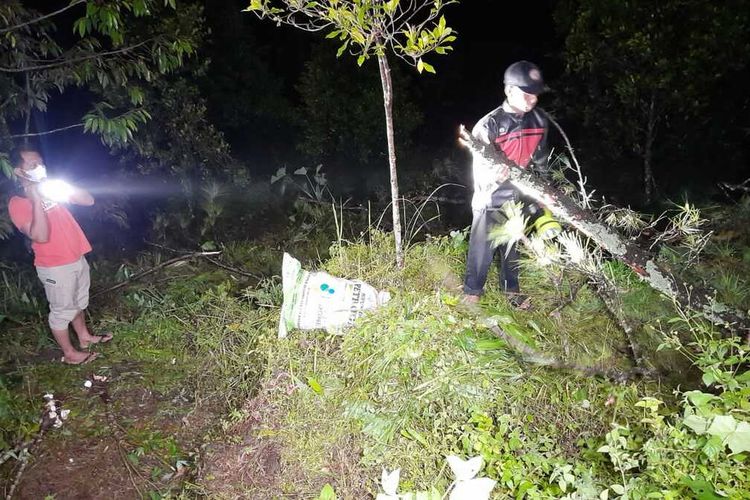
(482, 252)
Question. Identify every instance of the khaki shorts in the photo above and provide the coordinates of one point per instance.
(67, 289)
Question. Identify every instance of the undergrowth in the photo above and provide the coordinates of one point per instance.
(419, 379)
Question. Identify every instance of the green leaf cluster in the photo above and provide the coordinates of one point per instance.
(702, 453)
(367, 28)
(119, 47)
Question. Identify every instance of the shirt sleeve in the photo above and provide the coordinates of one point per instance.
(19, 210)
(540, 157)
(483, 171)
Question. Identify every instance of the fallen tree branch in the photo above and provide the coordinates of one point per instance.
(645, 266)
(141, 274)
(50, 419)
(24, 460)
(215, 262)
(12, 453)
(566, 301)
(528, 354)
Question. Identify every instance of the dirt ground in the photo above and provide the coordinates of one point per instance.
(254, 464)
(108, 455)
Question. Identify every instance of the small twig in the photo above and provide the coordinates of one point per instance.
(565, 302)
(47, 132)
(40, 18)
(441, 199)
(153, 270)
(25, 451)
(585, 197)
(328, 203)
(613, 303)
(212, 261)
(24, 460)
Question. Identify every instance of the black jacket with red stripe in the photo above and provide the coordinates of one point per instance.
(523, 140)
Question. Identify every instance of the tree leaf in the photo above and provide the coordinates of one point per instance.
(699, 399)
(281, 172)
(739, 440)
(342, 48)
(327, 493)
(464, 469)
(702, 489)
(697, 423)
(474, 489)
(722, 426)
(389, 481)
(315, 385)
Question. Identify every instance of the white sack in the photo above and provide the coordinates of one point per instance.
(317, 300)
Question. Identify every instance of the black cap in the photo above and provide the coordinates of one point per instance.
(525, 75)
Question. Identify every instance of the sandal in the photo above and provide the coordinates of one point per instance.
(89, 358)
(103, 339)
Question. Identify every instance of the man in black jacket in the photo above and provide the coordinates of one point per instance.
(519, 132)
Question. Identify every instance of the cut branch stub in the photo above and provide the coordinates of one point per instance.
(640, 261)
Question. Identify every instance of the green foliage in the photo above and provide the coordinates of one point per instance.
(699, 449)
(418, 378)
(642, 76)
(372, 28)
(367, 28)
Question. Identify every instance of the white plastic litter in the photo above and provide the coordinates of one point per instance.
(317, 300)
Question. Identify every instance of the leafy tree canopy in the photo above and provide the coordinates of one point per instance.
(638, 69)
(109, 47)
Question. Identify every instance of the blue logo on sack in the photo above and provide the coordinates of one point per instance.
(325, 288)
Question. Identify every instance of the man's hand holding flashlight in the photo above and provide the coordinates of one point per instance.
(56, 190)
(32, 192)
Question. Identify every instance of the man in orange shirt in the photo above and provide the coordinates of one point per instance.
(59, 247)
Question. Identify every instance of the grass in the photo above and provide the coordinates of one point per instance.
(414, 381)
(405, 385)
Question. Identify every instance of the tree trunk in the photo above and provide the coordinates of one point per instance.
(648, 171)
(27, 121)
(385, 80)
(619, 247)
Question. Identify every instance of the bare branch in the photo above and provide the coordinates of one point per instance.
(53, 131)
(585, 196)
(41, 18)
(62, 62)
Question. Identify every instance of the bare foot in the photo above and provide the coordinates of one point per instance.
(79, 358)
(95, 339)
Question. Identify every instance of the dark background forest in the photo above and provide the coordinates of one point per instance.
(635, 85)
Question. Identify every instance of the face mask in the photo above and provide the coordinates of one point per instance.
(36, 174)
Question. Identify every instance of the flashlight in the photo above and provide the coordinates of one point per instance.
(546, 226)
(55, 190)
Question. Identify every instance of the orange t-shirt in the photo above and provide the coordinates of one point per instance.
(66, 243)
